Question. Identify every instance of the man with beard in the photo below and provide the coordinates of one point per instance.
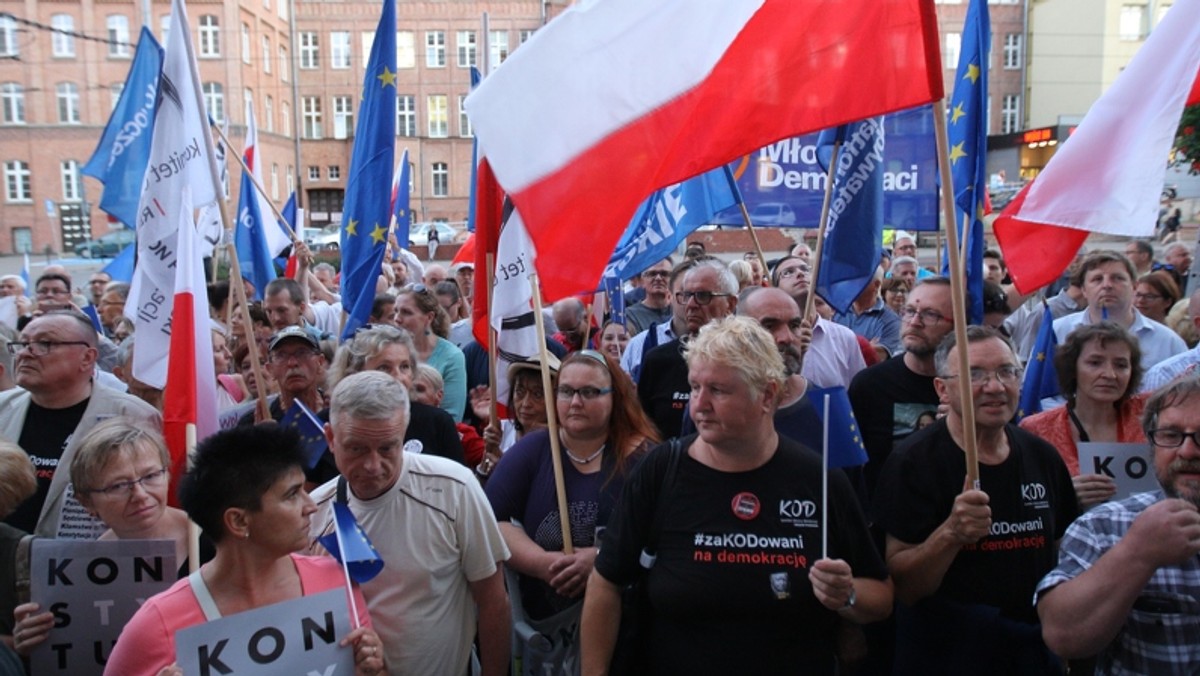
(891, 396)
(1128, 578)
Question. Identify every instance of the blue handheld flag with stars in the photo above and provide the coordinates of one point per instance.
(312, 433)
(1041, 380)
(846, 447)
(351, 546)
(968, 148)
(366, 212)
(401, 195)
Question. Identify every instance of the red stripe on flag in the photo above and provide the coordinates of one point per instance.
(1036, 254)
(179, 397)
(489, 208)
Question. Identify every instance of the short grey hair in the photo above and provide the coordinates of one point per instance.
(904, 260)
(726, 281)
(366, 344)
(125, 351)
(324, 267)
(119, 288)
(16, 278)
(370, 395)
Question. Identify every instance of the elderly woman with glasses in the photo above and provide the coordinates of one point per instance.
(120, 475)
(1099, 371)
(419, 312)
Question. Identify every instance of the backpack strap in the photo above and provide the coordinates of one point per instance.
(650, 552)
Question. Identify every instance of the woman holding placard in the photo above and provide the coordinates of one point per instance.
(1099, 370)
(246, 491)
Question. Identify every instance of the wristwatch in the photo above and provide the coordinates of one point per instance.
(851, 601)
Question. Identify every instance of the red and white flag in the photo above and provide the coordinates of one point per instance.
(190, 397)
(616, 98)
(1108, 176)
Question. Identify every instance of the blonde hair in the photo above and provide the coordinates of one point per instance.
(18, 479)
(743, 345)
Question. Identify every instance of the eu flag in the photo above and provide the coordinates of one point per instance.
(1041, 380)
(846, 447)
(251, 241)
(401, 196)
(119, 161)
(120, 268)
(854, 230)
(366, 214)
(350, 545)
(312, 433)
(968, 148)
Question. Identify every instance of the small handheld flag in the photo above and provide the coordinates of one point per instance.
(846, 447)
(351, 546)
(312, 433)
(1041, 380)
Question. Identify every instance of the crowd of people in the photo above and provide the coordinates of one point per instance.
(702, 532)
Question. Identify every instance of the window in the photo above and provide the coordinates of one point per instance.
(339, 49)
(1012, 51)
(164, 27)
(406, 115)
(435, 49)
(281, 8)
(310, 48)
(210, 37)
(1133, 22)
(245, 43)
(17, 181)
(334, 172)
(310, 111)
(248, 103)
(289, 179)
(523, 36)
(497, 48)
(406, 53)
(114, 93)
(440, 176)
(950, 50)
(71, 188)
(275, 181)
(269, 112)
(314, 173)
(8, 36)
(62, 42)
(12, 100)
(464, 122)
(285, 118)
(466, 49)
(1010, 114)
(214, 100)
(68, 102)
(118, 35)
(266, 54)
(343, 117)
(285, 66)
(438, 119)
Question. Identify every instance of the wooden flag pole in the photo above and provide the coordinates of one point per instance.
(754, 236)
(587, 326)
(258, 186)
(560, 487)
(493, 348)
(957, 294)
(825, 481)
(816, 262)
(239, 292)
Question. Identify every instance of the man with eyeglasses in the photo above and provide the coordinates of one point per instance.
(966, 559)
(1186, 364)
(656, 306)
(658, 333)
(1128, 576)
(709, 291)
(296, 362)
(54, 361)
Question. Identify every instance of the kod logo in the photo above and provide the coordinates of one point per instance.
(797, 509)
(1034, 491)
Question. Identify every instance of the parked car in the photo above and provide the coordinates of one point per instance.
(328, 239)
(418, 234)
(773, 213)
(106, 245)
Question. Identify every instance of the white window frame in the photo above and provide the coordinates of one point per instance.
(464, 122)
(497, 48)
(310, 50)
(1012, 51)
(214, 100)
(62, 45)
(210, 37)
(343, 117)
(265, 43)
(435, 49)
(466, 48)
(18, 182)
(406, 115)
(67, 99)
(339, 50)
(12, 103)
(72, 182)
(246, 42)
(437, 115)
(439, 179)
(406, 51)
(310, 115)
(117, 26)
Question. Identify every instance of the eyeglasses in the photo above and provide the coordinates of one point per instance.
(1005, 375)
(656, 274)
(125, 488)
(702, 297)
(285, 357)
(794, 270)
(1146, 296)
(40, 348)
(536, 395)
(927, 316)
(588, 393)
(1169, 438)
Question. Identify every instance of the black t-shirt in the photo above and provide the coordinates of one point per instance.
(44, 436)
(729, 591)
(887, 399)
(663, 387)
(990, 584)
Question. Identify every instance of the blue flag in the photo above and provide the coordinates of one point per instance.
(350, 545)
(120, 268)
(119, 161)
(94, 315)
(401, 196)
(667, 217)
(854, 231)
(968, 149)
(289, 216)
(846, 447)
(616, 298)
(312, 433)
(250, 240)
(365, 214)
(25, 275)
(475, 79)
(1041, 379)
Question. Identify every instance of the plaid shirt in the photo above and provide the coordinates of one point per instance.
(1162, 632)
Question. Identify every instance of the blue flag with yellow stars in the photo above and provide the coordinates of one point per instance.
(846, 447)
(367, 212)
(1041, 380)
(968, 148)
(312, 432)
(351, 546)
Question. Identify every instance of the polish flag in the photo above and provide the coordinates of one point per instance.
(190, 397)
(1108, 176)
(277, 239)
(654, 93)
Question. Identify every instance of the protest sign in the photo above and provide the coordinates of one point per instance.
(93, 588)
(294, 637)
(1130, 465)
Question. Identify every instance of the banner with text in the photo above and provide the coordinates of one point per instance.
(1130, 465)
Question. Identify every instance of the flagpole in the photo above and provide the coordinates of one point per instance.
(560, 488)
(587, 326)
(193, 548)
(830, 174)
(493, 348)
(337, 529)
(258, 186)
(825, 481)
(754, 236)
(957, 293)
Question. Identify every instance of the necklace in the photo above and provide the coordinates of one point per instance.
(584, 461)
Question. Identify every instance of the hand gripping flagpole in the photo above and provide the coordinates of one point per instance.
(957, 293)
(560, 488)
(831, 173)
